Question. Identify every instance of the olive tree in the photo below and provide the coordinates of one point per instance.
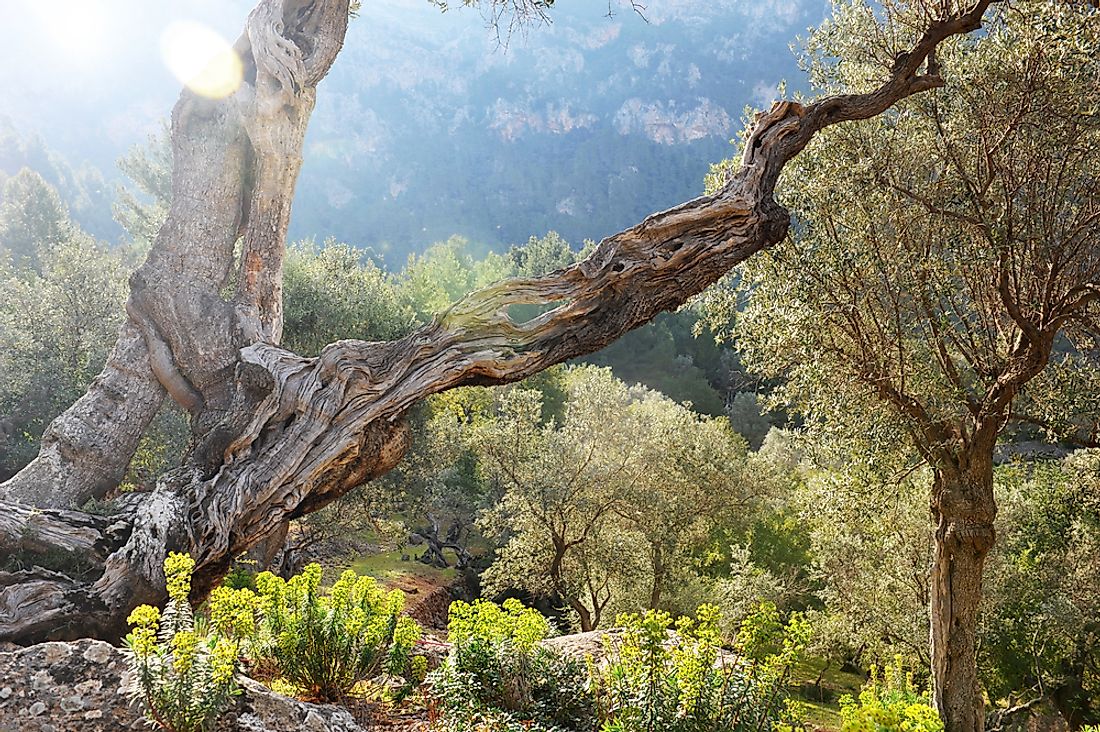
(943, 254)
(604, 510)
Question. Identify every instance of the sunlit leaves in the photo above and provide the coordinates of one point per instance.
(929, 241)
(332, 292)
(604, 509)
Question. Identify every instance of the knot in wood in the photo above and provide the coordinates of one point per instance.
(254, 380)
(777, 123)
(969, 531)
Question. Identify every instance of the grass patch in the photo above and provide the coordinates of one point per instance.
(823, 701)
(388, 567)
(821, 716)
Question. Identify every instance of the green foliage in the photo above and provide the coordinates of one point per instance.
(160, 449)
(511, 622)
(438, 485)
(746, 411)
(604, 509)
(62, 305)
(418, 670)
(872, 545)
(241, 576)
(183, 671)
(676, 677)
(82, 188)
(882, 312)
(904, 302)
(33, 219)
(889, 704)
(1040, 623)
(497, 677)
(779, 542)
(331, 292)
(141, 212)
(446, 272)
(326, 643)
(666, 356)
(541, 256)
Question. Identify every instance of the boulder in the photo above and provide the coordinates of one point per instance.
(595, 644)
(602, 646)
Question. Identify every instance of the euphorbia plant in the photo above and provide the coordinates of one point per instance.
(328, 643)
(183, 670)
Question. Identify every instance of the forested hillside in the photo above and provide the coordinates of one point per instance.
(456, 444)
(435, 124)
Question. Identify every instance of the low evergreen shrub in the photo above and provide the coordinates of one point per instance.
(497, 678)
(668, 676)
(326, 643)
(183, 668)
(890, 703)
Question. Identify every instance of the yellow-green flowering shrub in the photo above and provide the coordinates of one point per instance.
(682, 682)
(326, 643)
(889, 704)
(183, 676)
(521, 626)
(497, 678)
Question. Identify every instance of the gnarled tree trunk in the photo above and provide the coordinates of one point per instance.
(963, 510)
(275, 435)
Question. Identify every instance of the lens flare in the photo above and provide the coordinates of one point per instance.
(201, 59)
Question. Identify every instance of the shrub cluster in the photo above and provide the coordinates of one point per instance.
(497, 678)
(889, 703)
(183, 670)
(674, 676)
(326, 644)
(660, 675)
(321, 644)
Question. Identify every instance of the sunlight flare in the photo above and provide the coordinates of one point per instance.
(201, 59)
(77, 27)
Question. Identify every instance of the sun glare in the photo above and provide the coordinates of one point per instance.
(77, 26)
(201, 59)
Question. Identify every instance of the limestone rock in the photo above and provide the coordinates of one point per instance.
(261, 710)
(602, 646)
(65, 686)
(578, 646)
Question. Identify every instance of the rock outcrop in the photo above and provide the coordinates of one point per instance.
(81, 687)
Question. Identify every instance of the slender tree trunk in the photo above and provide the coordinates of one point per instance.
(598, 606)
(557, 579)
(584, 615)
(277, 436)
(963, 509)
(657, 557)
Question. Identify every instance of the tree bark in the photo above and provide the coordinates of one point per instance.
(584, 615)
(963, 509)
(275, 435)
